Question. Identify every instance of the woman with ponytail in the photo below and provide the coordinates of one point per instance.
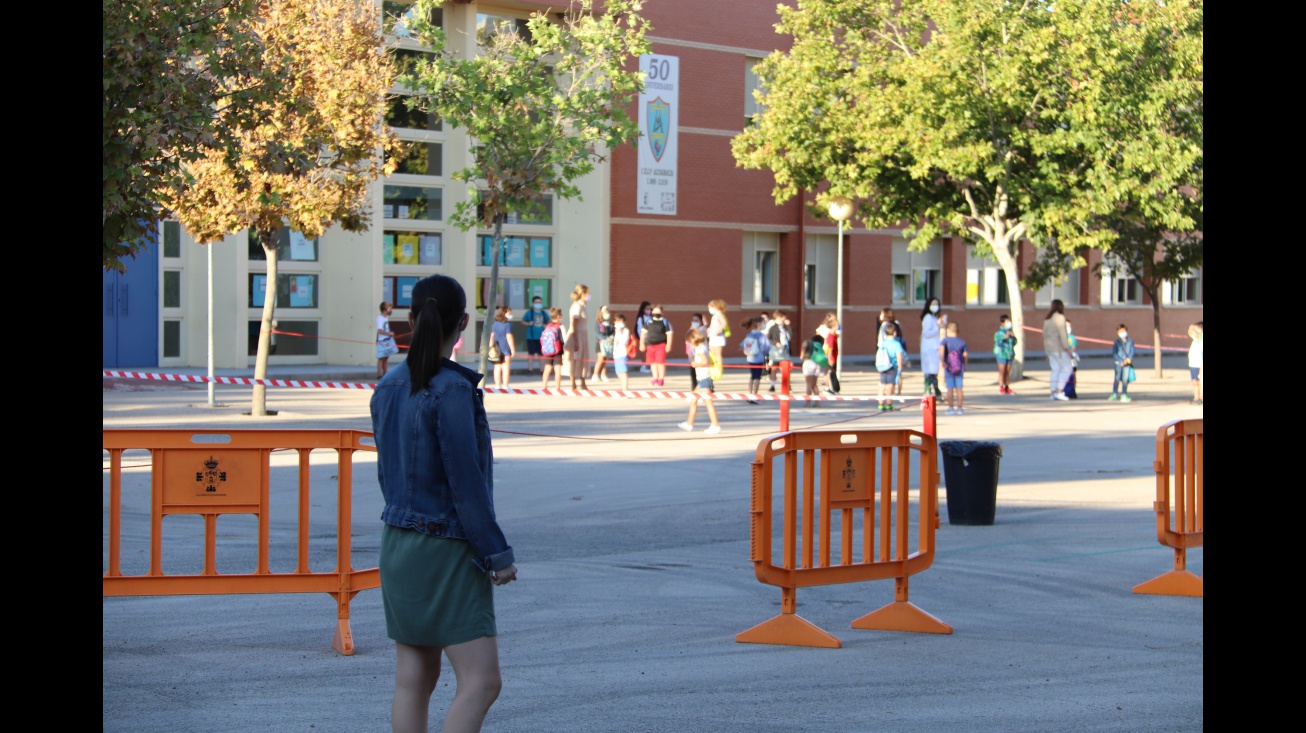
(442, 550)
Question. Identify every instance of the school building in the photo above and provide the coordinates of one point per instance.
(672, 221)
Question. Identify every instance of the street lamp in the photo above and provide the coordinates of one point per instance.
(840, 208)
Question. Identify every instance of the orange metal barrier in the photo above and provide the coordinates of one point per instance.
(211, 473)
(868, 470)
(1178, 461)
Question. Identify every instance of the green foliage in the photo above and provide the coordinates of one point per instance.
(161, 63)
(996, 122)
(543, 111)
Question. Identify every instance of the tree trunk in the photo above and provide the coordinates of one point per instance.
(1156, 336)
(258, 404)
(495, 246)
(1007, 260)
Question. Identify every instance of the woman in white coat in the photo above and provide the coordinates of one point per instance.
(931, 325)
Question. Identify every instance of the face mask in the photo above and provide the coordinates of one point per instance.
(1068, 329)
(1124, 335)
(1006, 326)
(934, 307)
(697, 323)
(536, 306)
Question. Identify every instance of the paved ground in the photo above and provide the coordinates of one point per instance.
(633, 548)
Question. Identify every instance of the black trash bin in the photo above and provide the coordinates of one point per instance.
(970, 477)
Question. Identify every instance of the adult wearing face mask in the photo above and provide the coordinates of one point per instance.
(931, 324)
(1056, 344)
(535, 319)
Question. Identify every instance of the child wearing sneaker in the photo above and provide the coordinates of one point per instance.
(815, 365)
(1195, 361)
(1004, 348)
(1122, 353)
(755, 348)
(954, 357)
(702, 362)
(621, 337)
(890, 358)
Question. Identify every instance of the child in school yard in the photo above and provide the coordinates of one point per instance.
(551, 341)
(777, 335)
(755, 348)
(1004, 348)
(620, 342)
(1195, 361)
(695, 324)
(815, 365)
(954, 357)
(890, 359)
(1072, 383)
(1122, 353)
(702, 361)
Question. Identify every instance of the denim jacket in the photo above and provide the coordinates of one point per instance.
(434, 460)
(1122, 349)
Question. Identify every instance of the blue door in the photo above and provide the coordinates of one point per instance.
(131, 312)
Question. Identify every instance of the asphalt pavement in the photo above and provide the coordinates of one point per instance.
(632, 541)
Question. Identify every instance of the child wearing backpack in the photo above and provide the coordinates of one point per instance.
(755, 348)
(890, 358)
(815, 365)
(954, 357)
(551, 348)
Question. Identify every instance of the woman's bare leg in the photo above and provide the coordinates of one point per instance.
(417, 669)
(476, 668)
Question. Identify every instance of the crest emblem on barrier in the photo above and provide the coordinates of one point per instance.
(211, 476)
(659, 122)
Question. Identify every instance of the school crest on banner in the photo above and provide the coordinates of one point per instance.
(659, 122)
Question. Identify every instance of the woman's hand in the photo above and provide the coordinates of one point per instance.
(505, 576)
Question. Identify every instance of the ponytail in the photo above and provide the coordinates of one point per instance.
(438, 304)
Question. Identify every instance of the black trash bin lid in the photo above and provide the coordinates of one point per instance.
(967, 448)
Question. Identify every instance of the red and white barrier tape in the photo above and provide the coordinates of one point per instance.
(564, 392)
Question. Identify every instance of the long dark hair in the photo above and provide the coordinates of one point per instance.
(1057, 307)
(642, 313)
(437, 309)
(926, 310)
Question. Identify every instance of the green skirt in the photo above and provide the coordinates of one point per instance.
(433, 593)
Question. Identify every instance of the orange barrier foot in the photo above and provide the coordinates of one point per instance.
(789, 629)
(343, 641)
(1173, 583)
(901, 616)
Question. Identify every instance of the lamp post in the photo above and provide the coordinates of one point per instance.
(840, 208)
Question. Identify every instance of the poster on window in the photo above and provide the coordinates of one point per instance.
(301, 248)
(301, 291)
(430, 244)
(406, 254)
(659, 112)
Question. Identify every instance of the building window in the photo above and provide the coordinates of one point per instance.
(751, 83)
(411, 248)
(293, 291)
(1119, 287)
(171, 339)
(400, 116)
(538, 212)
(289, 338)
(171, 238)
(1185, 290)
(422, 159)
(291, 246)
(760, 268)
(917, 276)
(171, 288)
(489, 26)
(515, 292)
(821, 269)
(985, 283)
(1067, 291)
(413, 202)
(518, 251)
(396, 14)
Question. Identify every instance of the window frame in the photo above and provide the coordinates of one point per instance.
(911, 269)
(752, 286)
